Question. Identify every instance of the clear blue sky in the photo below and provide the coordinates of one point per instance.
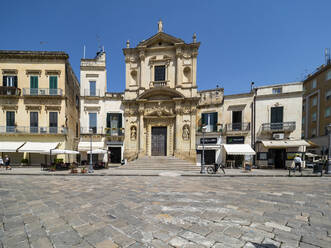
(263, 41)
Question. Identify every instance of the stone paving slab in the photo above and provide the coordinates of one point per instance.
(126, 211)
(121, 171)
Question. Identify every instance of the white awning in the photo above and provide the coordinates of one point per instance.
(86, 146)
(59, 151)
(239, 149)
(97, 151)
(284, 143)
(38, 147)
(10, 146)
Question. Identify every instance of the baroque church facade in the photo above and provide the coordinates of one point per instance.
(160, 99)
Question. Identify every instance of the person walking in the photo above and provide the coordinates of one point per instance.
(1, 162)
(297, 162)
(7, 162)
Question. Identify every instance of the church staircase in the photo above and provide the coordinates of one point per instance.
(161, 163)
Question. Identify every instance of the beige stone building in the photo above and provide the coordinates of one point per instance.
(101, 115)
(316, 114)
(236, 119)
(209, 115)
(39, 103)
(277, 129)
(161, 98)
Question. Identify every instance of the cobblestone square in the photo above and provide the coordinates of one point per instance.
(130, 211)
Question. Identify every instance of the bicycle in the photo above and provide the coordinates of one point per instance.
(213, 169)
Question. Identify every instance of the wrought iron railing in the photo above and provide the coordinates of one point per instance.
(101, 130)
(88, 92)
(33, 130)
(114, 131)
(42, 92)
(281, 126)
(240, 126)
(211, 128)
(9, 91)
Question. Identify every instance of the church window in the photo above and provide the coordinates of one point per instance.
(159, 73)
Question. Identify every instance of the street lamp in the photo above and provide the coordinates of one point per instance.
(328, 164)
(90, 170)
(202, 170)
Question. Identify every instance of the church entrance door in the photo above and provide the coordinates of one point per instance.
(159, 141)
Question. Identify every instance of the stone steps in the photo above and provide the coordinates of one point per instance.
(161, 163)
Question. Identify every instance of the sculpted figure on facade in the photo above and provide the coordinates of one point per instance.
(186, 132)
(158, 110)
(133, 134)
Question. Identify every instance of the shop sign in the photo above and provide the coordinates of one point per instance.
(235, 140)
(208, 140)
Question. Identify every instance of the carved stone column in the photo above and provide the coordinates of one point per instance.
(177, 126)
(193, 129)
(141, 130)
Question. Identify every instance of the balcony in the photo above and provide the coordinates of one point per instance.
(9, 91)
(32, 130)
(240, 127)
(95, 130)
(278, 127)
(114, 131)
(211, 128)
(156, 84)
(92, 93)
(104, 131)
(42, 92)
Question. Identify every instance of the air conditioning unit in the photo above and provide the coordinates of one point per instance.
(278, 136)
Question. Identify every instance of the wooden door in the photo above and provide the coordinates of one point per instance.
(159, 141)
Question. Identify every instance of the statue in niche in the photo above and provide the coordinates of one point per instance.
(186, 132)
(133, 134)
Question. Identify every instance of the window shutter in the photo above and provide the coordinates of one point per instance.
(4, 80)
(215, 121)
(108, 120)
(15, 81)
(204, 119)
(119, 120)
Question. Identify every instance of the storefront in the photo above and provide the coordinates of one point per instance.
(238, 154)
(234, 160)
(211, 147)
(84, 147)
(115, 151)
(279, 154)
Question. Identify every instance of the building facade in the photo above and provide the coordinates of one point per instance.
(316, 114)
(209, 115)
(101, 113)
(277, 129)
(160, 97)
(39, 102)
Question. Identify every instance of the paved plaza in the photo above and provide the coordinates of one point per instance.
(163, 211)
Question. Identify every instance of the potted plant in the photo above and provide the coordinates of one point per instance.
(24, 162)
(53, 167)
(73, 168)
(83, 169)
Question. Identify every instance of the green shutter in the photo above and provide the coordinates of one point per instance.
(108, 120)
(34, 82)
(119, 120)
(53, 82)
(215, 121)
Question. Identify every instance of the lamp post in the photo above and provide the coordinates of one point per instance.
(328, 164)
(202, 170)
(90, 170)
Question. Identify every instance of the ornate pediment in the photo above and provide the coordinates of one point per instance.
(159, 110)
(161, 37)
